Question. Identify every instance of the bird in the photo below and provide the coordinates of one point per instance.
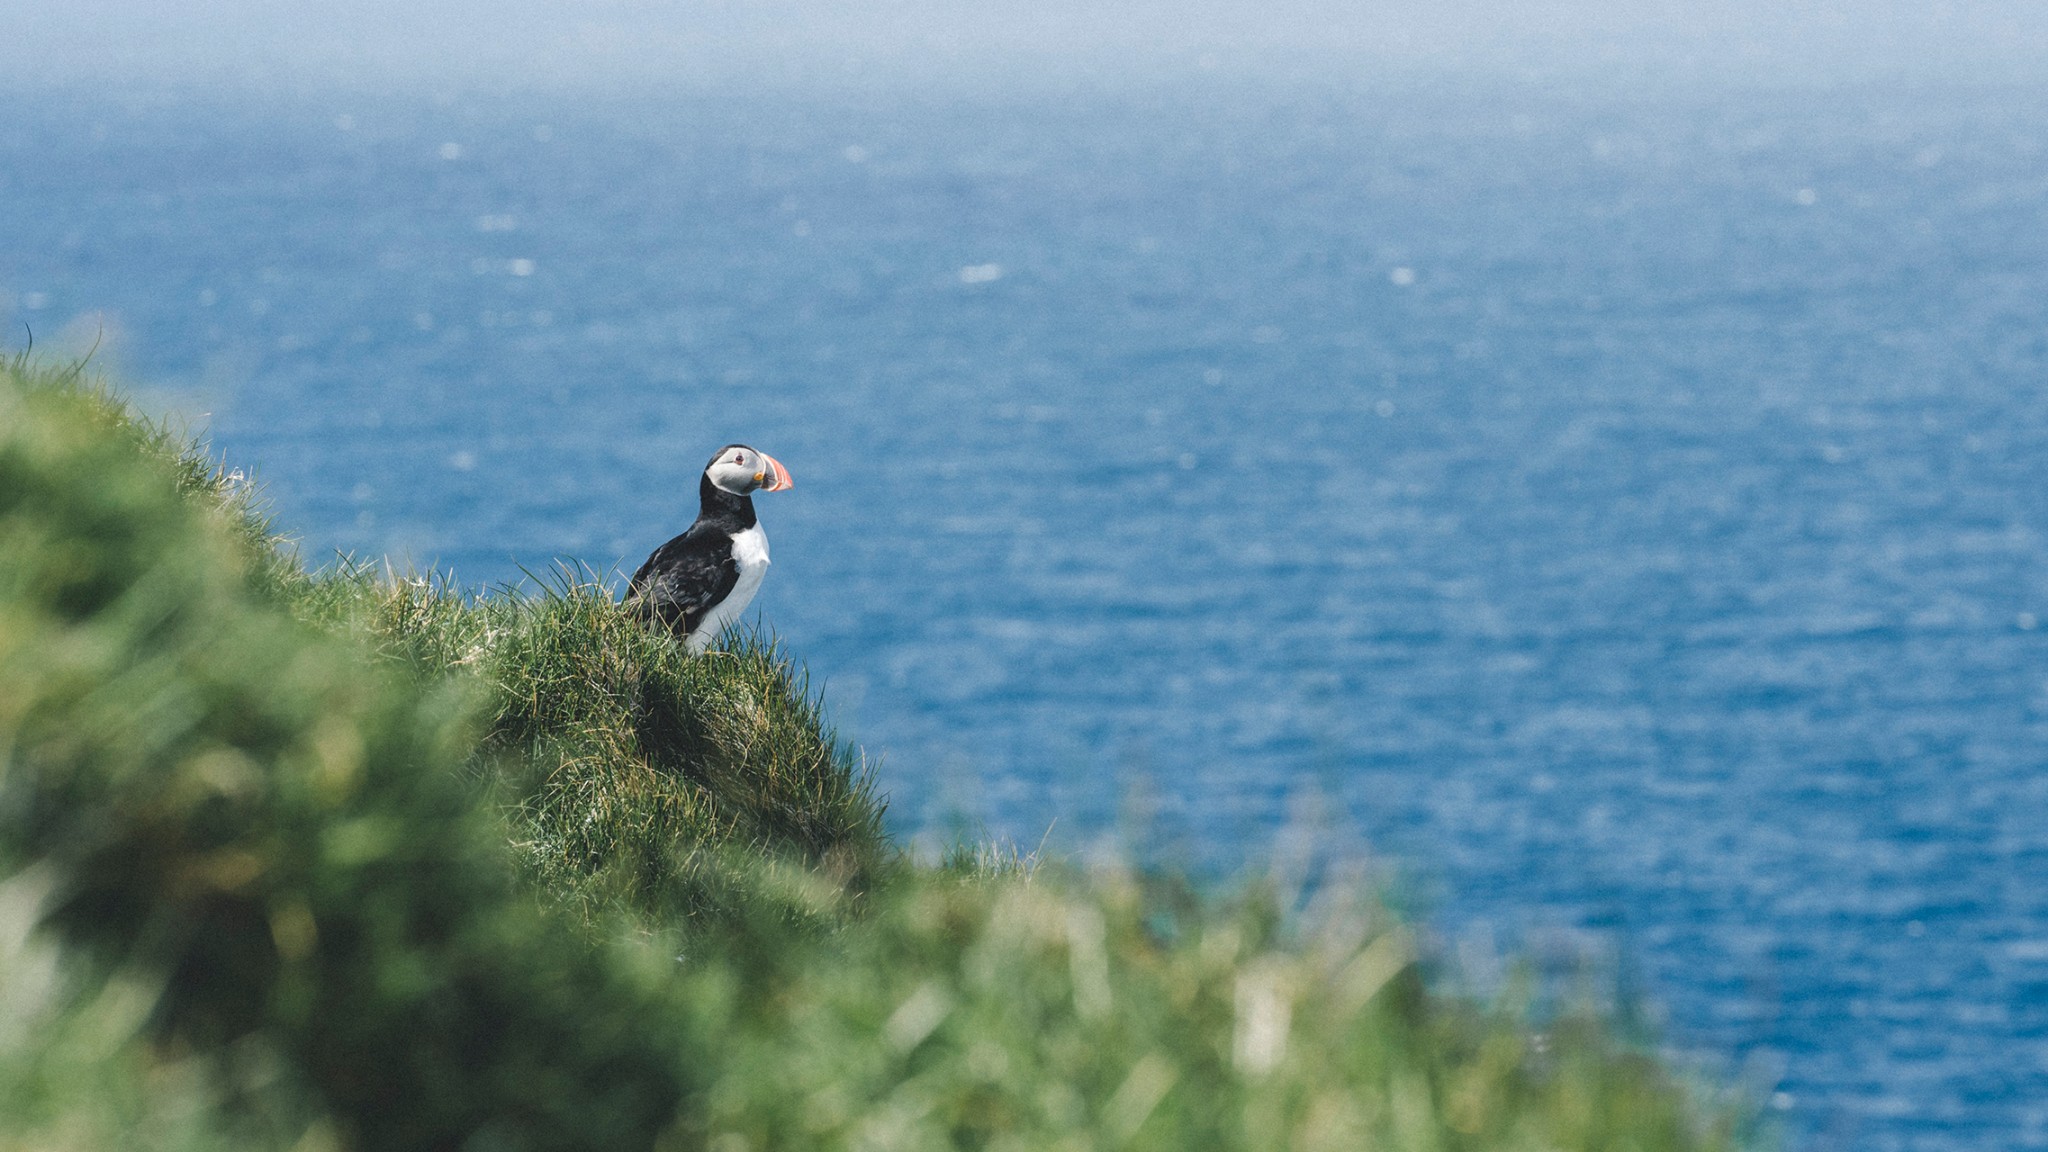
(699, 582)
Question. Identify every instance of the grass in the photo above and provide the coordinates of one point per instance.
(346, 860)
(245, 831)
(631, 773)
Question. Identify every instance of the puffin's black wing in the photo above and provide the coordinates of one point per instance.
(684, 579)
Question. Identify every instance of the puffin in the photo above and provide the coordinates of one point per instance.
(701, 581)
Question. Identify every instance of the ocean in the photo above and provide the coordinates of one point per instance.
(1621, 513)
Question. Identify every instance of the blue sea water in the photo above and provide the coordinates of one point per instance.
(1626, 513)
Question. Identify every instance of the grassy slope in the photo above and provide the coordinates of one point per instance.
(261, 816)
(635, 778)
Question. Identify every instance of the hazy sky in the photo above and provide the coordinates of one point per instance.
(599, 42)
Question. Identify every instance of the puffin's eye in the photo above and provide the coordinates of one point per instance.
(740, 458)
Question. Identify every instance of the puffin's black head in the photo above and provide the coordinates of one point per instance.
(741, 470)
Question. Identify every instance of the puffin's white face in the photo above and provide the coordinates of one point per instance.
(739, 470)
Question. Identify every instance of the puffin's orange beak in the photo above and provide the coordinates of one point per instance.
(774, 478)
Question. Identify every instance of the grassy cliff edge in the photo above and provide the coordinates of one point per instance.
(342, 860)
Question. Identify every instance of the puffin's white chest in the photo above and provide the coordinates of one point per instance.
(750, 556)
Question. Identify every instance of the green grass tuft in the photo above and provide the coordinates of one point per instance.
(627, 767)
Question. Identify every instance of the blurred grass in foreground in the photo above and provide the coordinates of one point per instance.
(340, 860)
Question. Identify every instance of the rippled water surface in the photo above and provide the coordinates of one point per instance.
(1628, 514)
